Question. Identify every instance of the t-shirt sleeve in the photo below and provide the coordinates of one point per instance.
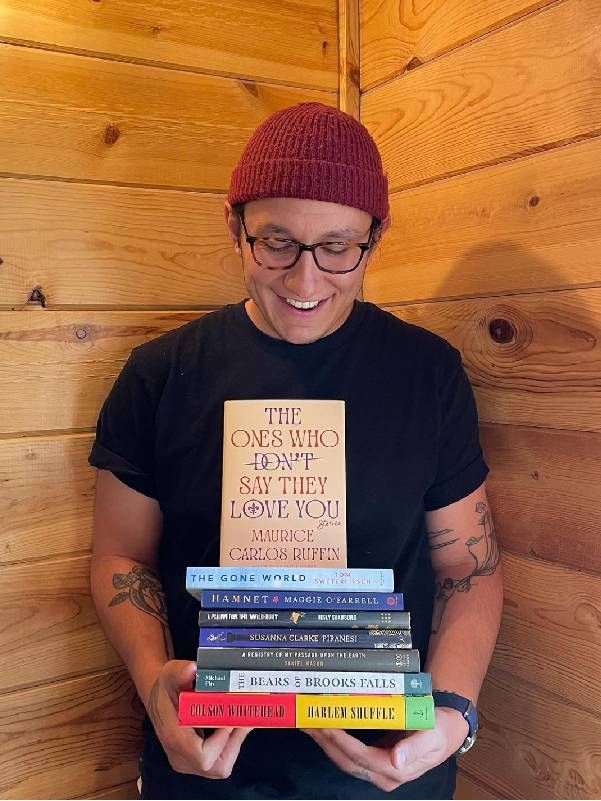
(125, 432)
(461, 466)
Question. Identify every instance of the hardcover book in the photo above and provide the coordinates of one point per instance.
(313, 681)
(288, 578)
(395, 660)
(288, 710)
(305, 638)
(298, 599)
(284, 483)
(301, 619)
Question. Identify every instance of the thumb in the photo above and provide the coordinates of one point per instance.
(179, 674)
(401, 752)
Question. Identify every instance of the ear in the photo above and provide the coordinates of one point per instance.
(232, 221)
(382, 228)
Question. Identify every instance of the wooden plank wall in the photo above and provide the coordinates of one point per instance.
(120, 125)
(488, 116)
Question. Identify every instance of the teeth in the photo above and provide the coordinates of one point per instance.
(302, 304)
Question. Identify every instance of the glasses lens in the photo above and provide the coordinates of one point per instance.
(276, 253)
(338, 257)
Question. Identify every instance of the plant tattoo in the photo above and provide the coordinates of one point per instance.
(483, 549)
(142, 588)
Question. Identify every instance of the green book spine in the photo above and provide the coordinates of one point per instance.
(419, 712)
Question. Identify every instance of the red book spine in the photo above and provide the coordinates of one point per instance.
(237, 709)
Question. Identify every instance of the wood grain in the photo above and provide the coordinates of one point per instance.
(293, 42)
(348, 64)
(551, 633)
(530, 224)
(56, 368)
(72, 117)
(47, 495)
(530, 86)
(468, 788)
(87, 245)
(70, 738)
(129, 790)
(396, 35)
(544, 487)
(49, 625)
(532, 359)
(533, 745)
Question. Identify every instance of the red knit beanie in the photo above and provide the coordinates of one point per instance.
(315, 152)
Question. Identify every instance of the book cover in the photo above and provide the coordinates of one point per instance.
(395, 660)
(303, 619)
(288, 710)
(284, 483)
(304, 638)
(288, 578)
(299, 599)
(313, 681)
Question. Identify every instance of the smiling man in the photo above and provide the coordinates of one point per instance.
(306, 207)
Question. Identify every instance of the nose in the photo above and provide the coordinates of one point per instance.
(303, 280)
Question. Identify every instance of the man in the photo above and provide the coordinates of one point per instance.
(307, 204)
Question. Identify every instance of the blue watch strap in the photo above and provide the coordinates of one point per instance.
(463, 705)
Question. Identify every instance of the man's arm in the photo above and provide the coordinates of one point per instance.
(468, 596)
(467, 612)
(131, 606)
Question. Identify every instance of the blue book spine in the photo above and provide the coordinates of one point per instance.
(289, 578)
(299, 600)
(304, 638)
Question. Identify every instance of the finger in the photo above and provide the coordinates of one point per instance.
(369, 757)
(223, 766)
(369, 764)
(419, 752)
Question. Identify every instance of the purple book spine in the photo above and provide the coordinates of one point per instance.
(303, 638)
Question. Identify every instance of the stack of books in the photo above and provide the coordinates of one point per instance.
(305, 648)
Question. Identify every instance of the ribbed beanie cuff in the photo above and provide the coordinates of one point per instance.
(315, 152)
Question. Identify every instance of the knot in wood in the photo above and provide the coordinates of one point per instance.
(413, 63)
(111, 134)
(501, 330)
(251, 87)
(533, 201)
(81, 333)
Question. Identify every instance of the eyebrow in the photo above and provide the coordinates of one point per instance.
(341, 233)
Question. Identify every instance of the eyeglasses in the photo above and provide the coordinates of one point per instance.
(277, 253)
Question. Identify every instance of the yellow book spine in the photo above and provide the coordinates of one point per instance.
(350, 712)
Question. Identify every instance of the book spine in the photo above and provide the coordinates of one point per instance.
(419, 712)
(313, 681)
(350, 712)
(243, 709)
(288, 578)
(343, 601)
(304, 619)
(304, 638)
(288, 710)
(396, 660)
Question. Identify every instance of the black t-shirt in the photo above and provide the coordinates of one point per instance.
(411, 445)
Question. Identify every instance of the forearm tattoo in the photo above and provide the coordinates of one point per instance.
(483, 549)
(142, 588)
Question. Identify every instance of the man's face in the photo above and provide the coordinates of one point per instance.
(276, 294)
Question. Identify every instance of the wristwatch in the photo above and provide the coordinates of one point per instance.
(468, 710)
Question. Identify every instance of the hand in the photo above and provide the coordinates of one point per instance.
(398, 757)
(187, 749)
